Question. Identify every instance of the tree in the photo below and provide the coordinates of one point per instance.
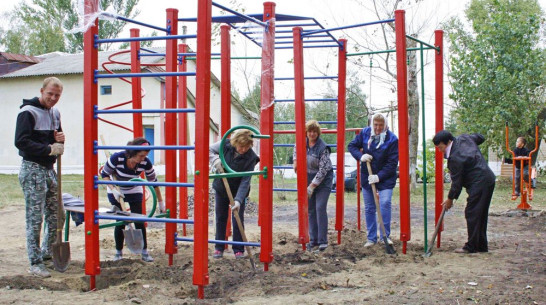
(43, 25)
(383, 38)
(498, 70)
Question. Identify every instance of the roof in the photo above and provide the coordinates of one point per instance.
(20, 57)
(63, 63)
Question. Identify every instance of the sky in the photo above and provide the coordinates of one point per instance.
(425, 13)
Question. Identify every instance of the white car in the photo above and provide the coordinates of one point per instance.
(349, 171)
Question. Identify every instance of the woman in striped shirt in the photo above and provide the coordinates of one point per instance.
(124, 166)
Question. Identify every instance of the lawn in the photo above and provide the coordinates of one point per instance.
(10, 193)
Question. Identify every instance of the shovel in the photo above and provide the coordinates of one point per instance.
(388, 248)
(239, 223)
(438, 225)
(60, 250)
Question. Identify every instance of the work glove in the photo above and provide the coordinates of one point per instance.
(217, 166)
(161, 206)
(373, 179)
(236, 205)
(366, 158)
(117, 194)
(57, 149)
(310, 189)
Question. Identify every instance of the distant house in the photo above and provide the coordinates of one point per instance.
(26, 83)
(10, 62)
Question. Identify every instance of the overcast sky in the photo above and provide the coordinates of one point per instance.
(429, 13)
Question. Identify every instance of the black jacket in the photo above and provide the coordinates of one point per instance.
(35, 131)
(240, 186)
(467, 166)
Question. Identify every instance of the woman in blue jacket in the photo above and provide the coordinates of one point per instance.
(378, 145)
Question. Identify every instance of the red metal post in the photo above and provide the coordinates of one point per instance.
(267, 107)
(225, 108)
(136, 93)
(202, 127)
(301, 155)
(90, 134)
(136, 84)
(340, 183)
(183, 135)
(403, 142)
(170, 131)
(438, 157)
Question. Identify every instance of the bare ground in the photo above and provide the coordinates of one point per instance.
(513, 272)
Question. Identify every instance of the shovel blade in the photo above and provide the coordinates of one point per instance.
(389, 249)
(134, 240)
(61, 256)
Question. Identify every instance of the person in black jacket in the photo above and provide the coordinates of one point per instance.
(39, 138)
(468, 169)
(520, 151)
(240, 157)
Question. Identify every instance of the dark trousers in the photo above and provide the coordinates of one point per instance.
(518, 177)
(318, 217)
(135, 203)
(476, 214)
(222, 211)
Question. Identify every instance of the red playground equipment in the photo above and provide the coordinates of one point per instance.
(175, 118)
(525, 185)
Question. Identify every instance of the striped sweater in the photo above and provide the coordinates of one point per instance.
(117, 166)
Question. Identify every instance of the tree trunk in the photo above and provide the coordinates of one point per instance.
(413, 109)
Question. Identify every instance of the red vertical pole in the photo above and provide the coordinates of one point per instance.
(170, 130)
(136, 93)
(136, 84)
(340, 183)
(225, 109)
(301, 155)
(267, 107)
(202, 129)
(183, 135)
(438, 157)
(90, 134)
(403, 142)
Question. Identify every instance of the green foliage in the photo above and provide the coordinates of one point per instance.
(498, 71)
(356, 111)
(430, 169)
(42, 26)
(356, 115)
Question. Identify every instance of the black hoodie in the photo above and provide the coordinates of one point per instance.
(35, 131)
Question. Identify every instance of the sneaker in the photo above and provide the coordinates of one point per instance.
(218, 254)
(322, 247)
(369, 243)
(389, 241)
(310, 246)
(239, 255)
(39, 270)
(118, 257)
(147, 257)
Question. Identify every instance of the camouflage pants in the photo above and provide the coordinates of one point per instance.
(40, 189)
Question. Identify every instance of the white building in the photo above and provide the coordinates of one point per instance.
(26, 84)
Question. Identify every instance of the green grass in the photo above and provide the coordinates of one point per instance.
(11, 193)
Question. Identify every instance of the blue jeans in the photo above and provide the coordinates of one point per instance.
(385, 197)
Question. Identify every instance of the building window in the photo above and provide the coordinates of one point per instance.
(106, 90)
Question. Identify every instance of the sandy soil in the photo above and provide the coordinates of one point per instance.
(513, 272)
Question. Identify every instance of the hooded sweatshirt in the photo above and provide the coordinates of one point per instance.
(35, 131)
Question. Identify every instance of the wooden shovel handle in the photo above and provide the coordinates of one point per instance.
(238, 220)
